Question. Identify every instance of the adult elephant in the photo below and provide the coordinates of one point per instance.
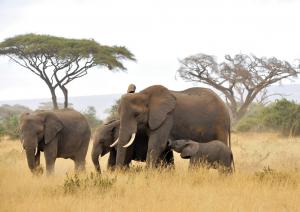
(59, 134)
(197, 114)
(105, 136)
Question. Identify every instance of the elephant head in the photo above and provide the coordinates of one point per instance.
(185, 148)
(103, 139)
(148, 108)
(36, 128)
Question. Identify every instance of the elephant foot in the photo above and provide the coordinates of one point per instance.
(38, 171)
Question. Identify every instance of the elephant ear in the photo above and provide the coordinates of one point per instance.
(161, 103)
(52, 127)
(189, 150)
(112, 128)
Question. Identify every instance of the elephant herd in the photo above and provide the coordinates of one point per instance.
(151, 124)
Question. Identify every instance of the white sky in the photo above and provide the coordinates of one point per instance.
(158, 32)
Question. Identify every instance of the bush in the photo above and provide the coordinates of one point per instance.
(90, 115)
(9, 119)
(94, 180)
(251, 121)
(112, 112)
(273, 177)
(10, 127)
(282, 116)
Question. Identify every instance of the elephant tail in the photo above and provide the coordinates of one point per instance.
(232, 162)
(229, 137)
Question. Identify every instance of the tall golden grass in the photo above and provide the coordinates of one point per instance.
(267, 178)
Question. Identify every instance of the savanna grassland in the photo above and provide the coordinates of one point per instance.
(267, 178)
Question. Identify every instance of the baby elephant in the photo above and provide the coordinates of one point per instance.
(214, 153)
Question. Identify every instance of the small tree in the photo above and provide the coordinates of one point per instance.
(90, 115)
(9, 116)
(112, 112)
(58, 61)
(240, 78)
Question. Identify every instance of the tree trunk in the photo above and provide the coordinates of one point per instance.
(54, 99)
(65, 92)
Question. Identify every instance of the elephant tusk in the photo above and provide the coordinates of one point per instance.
(131, 141)
(115, 143)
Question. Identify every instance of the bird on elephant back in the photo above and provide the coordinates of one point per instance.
(61, 133)
(196, 113)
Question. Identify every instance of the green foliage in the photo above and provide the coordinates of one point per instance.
(251, 121)
(112, 112)
(9, 116)
(58, 61)
(11, 126)
(8, 110)
(90, 115)
(284, 116)
(74, 183)
(281, 116)
(33, 45)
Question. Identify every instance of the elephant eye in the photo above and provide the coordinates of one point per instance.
(136, 114)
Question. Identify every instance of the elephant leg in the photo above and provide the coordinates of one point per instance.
(80, 157)
(50, 152)
(79, 165)
(111, 163)
(167, 158)
(158, 143)
(50, 161)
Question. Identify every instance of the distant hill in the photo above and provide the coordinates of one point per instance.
(103, 102)
(80, 103)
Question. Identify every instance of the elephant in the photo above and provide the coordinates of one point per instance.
(214, 153)
(61, 133)
(105, 136)
(197, 114)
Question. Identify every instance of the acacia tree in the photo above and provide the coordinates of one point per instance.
(241, 78)
(58, 61)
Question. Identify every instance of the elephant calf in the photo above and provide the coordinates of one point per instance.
(214, 153)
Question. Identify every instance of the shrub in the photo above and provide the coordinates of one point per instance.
(74, 183)
(251, 121)
(273, 177)
(282, 116)
(10, 127)
(90, 115)
(9, 116)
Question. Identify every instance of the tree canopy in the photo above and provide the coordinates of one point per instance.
(241, 78)
(58, 61)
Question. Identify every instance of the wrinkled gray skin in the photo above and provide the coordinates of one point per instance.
(59, 134)
(214, 153)
(196, 113)
(108, 133)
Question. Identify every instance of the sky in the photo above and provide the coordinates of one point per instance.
(157, 32)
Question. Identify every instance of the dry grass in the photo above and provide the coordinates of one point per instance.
(251, 188)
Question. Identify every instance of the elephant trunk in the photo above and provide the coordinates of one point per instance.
(126, 138)
(95, 158)
(31, 159)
